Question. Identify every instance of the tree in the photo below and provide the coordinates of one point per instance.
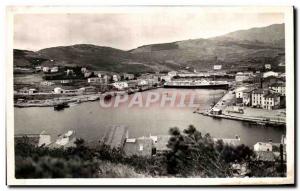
(194, 155)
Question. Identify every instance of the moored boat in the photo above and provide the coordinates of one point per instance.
(204, 84)
(61, 106)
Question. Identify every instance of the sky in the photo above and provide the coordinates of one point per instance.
(129, 30)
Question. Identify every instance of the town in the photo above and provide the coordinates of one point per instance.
(113, 96)
(256, 97)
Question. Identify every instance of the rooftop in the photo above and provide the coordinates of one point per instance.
(242, 88)
(115, 136)
(272, 95)
(259, 91)
(65, 140)
(264, 143)
(277, 85)
(139, 147)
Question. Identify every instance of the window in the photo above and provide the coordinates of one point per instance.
(141, 147)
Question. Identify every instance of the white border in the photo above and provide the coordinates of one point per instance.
(288, 11)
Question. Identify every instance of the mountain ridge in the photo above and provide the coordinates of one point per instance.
(254, 46)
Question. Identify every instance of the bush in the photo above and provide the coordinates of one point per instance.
(191, 154)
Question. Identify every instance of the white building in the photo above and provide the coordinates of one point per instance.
(278, 88)
(120, 85)
(265, 99)
(66, 81)
(32, 91)
(128, 76)
(116, 78)
(95, 80)
(262, 146)
(242, 76)
(271, 101)
(239, 91)
(247, 97)
(83, 70)
(47, 83)
(268, 66)
(270, 73)
(172, 73)
(69, 72)
(54, 69)
(132, 83)
(46, 69)
(44, 140)
(166, 78)
(257, 97)
(58, 90)
(38, 68)
(143, 82)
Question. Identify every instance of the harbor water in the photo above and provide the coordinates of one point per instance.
(90, 120)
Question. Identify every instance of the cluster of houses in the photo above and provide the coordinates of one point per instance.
(269, 94)
(260, 98)
(117, 137)
(257, 77)
(123, 81)
(127, 81)
(47, 69)
(82, 90)
(65, 140)
(269, 151)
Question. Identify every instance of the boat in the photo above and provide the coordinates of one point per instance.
(132, 91)
(261, 123)
(203, 84)
(93, 98)
(61, 106)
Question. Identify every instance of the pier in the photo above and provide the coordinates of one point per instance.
(224, 109)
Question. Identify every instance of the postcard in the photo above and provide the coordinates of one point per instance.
(150, 95)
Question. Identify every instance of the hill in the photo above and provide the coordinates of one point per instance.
(245, 48)
(272, 35)
(237, 50)
(95, 57)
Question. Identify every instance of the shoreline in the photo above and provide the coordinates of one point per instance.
(73, 98)
(246, 118)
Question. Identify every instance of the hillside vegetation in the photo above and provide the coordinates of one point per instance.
(191, 154)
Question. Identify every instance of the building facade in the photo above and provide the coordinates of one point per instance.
(120, 85)
(278, 88)
(265, 99)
